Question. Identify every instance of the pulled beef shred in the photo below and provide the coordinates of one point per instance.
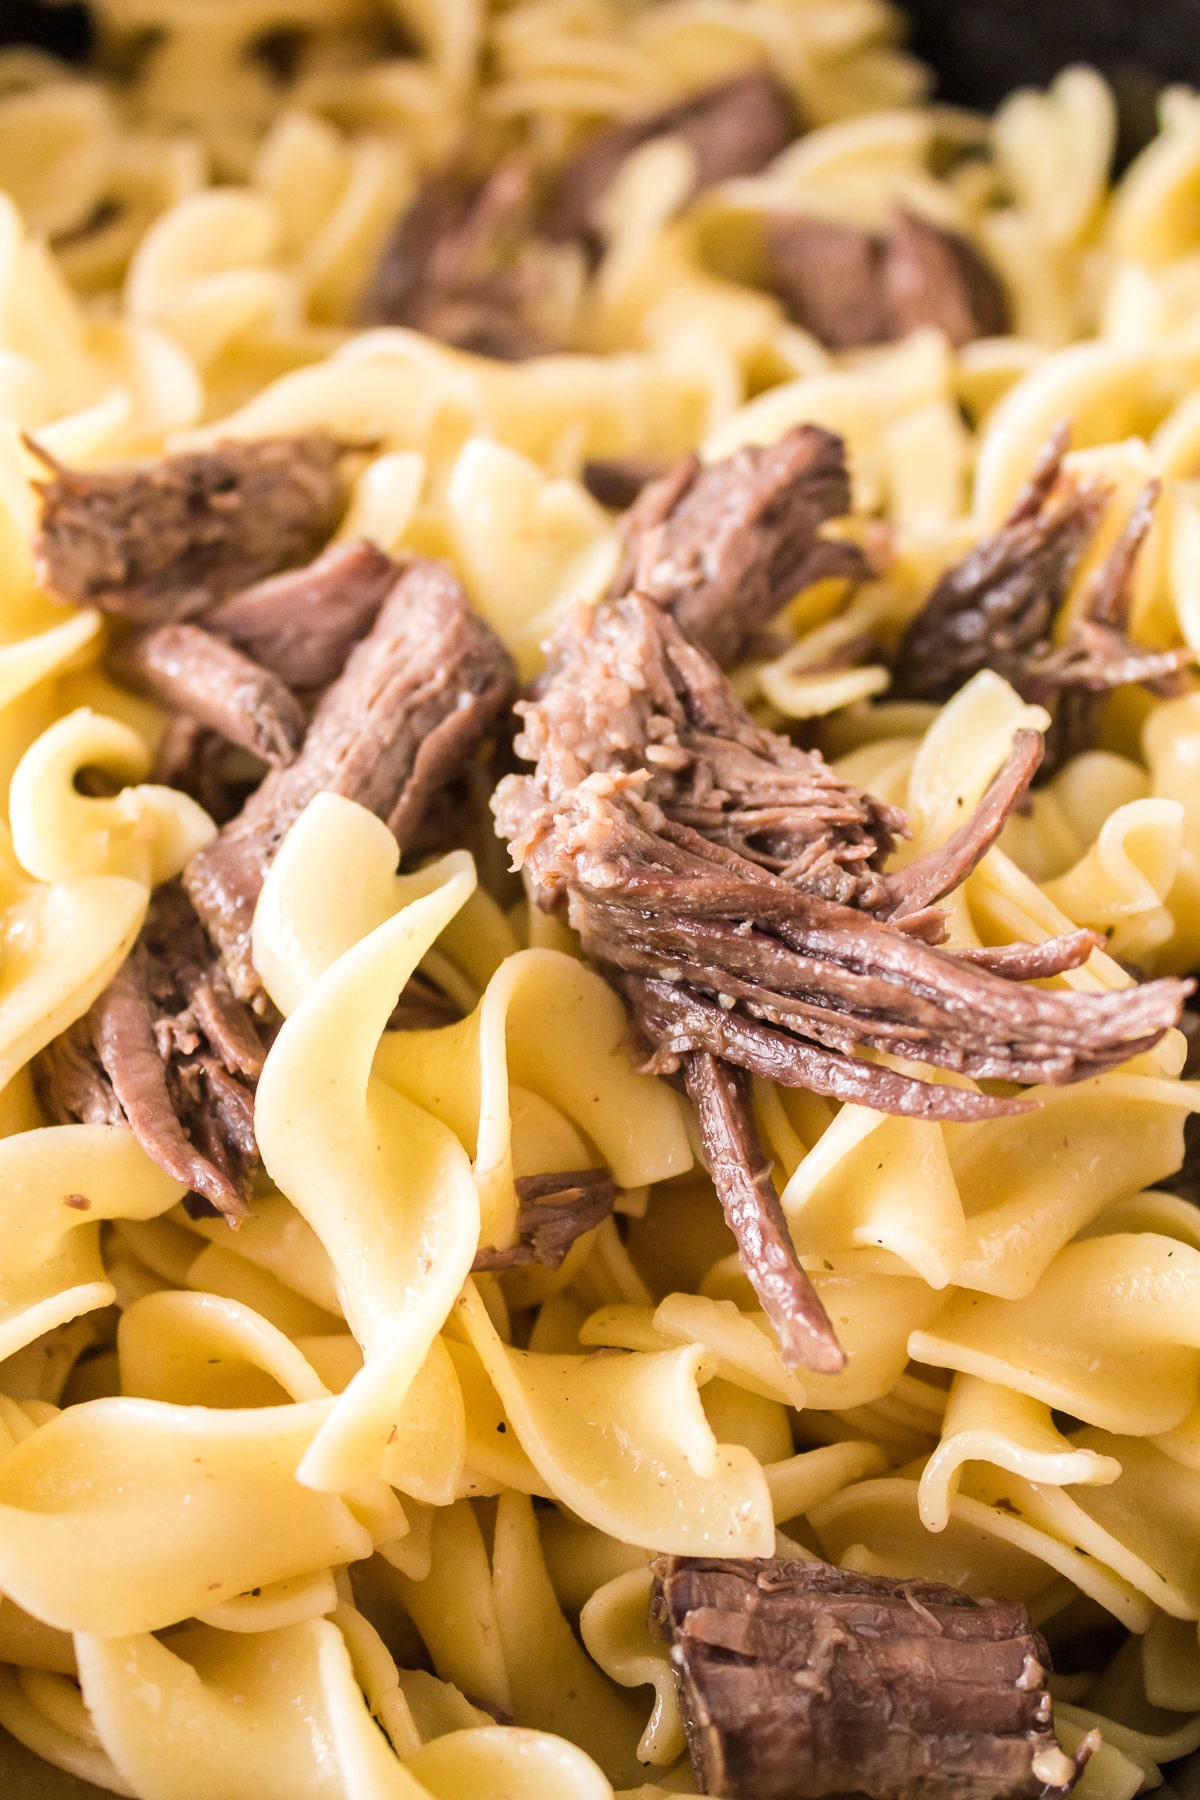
(851, 287)
(725, 546)
(1000, 608)
(797, 1680)
(164, 541)
(616, 481)
(168, 1049)
(172, 1045)
(735, 889)
(192, 672)
(455, 265)
(302, 625)
(552, 1212)
(416, 697)
(734, 128)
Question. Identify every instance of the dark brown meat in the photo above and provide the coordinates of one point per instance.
(851, 287)
(170, 1051)
(616, 481)
(725, 546)
(936, 277)
(194, 673)
(415, 699)
(196, 761)
(166, 540)
(304, 624)
(831, 277)
(797, 1680)
(741, 1175)
(736, 888)
(553, 1212)
(453, 266)
(734, 128)
(1000, 608)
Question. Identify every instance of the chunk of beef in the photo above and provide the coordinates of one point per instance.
(196, 674)
(415, 699)
(736, 888)
(616, 481)
(1001, 606)
(797, 1680)
(304, 624)
(734, 128)
(456, 265)
(851, 287)
(741, 1175)
(553, 1212)
(198, 762)
(831, 277)
(727, 544)
(168, 1050)
(166, 540)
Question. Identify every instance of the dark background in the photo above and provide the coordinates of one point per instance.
(979, 48)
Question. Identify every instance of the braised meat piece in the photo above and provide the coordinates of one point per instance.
(195, 674)
(734, 128)
(616, 481)
(166, 540)
(735, 889)
(1000, 608)
(456, 266)
(553, 1211)
(727, 544)
(169, 1050)
(851, 287)
(416, 697)
(303, 625)
(797, 1680)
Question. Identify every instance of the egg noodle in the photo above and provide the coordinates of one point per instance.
(301, 1509)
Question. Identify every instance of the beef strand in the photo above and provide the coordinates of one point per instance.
(734, 128)
(196, 674)
(735, 888)
(416, 697)
(1001, 606)
(616, 481)
(852, 288)
(169, 1046)
(552, 1212)
(725, 546)
(169, 1050)
(741, 1175)
(165, 540)
(797, 1680)
(304, 624)
(453, 265)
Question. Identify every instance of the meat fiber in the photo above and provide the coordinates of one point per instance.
(798, 1681)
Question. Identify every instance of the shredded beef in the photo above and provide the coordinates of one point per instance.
(553, 1211)
(454, 265)
(197, 762)
(851, 287)
(165, 540)
(416, 697)
(741, 1175)
(169, 1050)
(725, 546)
(1000, 608)
(734, 128)
(735, 888)
(304, 624)
(797, 1680)
(616, 481)
(198, 675)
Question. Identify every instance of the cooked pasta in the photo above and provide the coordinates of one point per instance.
(375, 1487)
